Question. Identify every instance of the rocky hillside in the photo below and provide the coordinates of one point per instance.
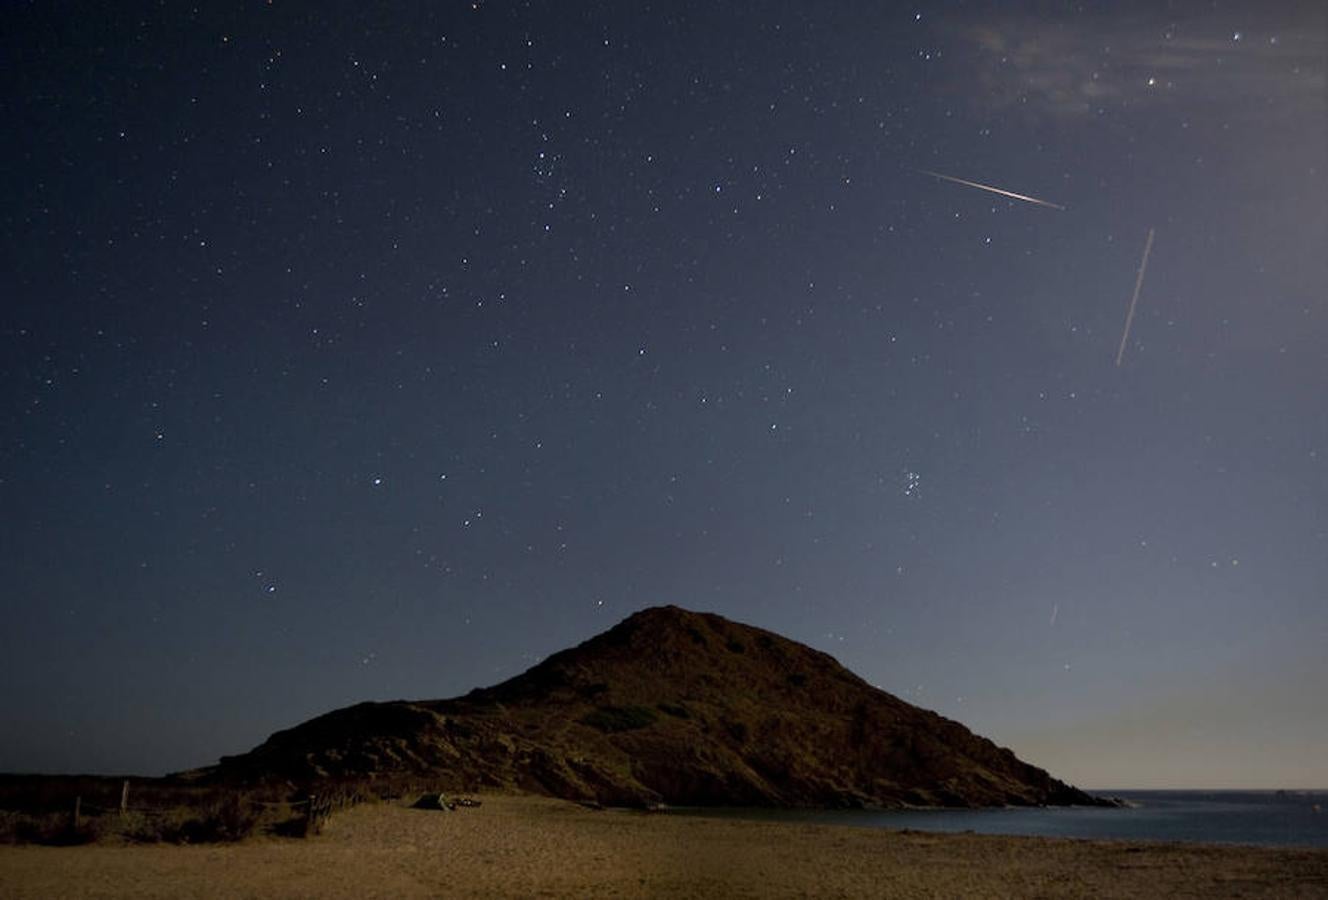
(669, 706)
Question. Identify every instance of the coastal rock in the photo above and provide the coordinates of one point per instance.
(674, 707)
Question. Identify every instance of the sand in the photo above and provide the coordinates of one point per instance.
(536, 847)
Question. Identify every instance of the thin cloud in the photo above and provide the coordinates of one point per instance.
(1086, 66)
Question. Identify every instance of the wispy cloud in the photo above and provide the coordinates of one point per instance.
(1086, 65)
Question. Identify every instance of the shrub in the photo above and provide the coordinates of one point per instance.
(47, 828)
(228, 819)
(611, 719)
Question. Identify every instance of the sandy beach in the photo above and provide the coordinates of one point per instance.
(528, 846)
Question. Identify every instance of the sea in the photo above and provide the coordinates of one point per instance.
(1261, 818)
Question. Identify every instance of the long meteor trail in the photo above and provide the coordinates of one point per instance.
(994, 190)
(1138, 283)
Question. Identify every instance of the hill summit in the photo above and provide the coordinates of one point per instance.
(669, 706)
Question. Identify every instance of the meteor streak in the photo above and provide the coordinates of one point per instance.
(994, 190)
(1138, 283)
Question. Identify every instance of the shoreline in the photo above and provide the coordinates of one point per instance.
(524, 846)
(1128, 820)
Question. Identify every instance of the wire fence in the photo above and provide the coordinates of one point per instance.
(317, 808)
(103, 810)
(41, 811)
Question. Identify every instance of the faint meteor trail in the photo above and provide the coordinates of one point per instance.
(1138, 283)
(994, 190)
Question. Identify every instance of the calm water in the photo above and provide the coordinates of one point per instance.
(1234, 817)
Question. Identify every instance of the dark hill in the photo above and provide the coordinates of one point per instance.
(669, 706)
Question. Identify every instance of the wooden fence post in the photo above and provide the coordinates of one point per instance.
(124, 797)
(310, 814)
(78, 811)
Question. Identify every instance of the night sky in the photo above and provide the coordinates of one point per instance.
(353, 354)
